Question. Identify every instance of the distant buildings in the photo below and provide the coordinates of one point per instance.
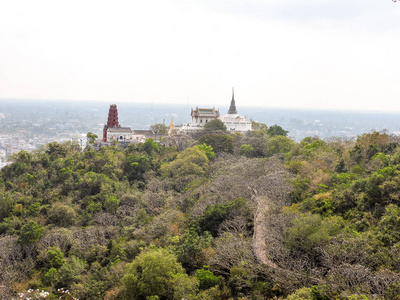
(201, 116)
(232, 120)
(113, 131)
(140, 136)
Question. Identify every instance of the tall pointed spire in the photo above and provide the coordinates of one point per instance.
(232, 109)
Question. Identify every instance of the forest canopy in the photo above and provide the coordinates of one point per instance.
(251, 215)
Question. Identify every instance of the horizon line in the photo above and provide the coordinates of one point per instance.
(302, 108)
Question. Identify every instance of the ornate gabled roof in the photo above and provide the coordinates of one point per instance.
(205, 112)
(232, 109)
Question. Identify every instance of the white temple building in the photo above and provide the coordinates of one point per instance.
(120, 134)
(201, 116)
(233, 121)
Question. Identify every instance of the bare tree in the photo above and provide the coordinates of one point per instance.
(16, 262)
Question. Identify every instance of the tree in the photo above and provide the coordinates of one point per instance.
(191, 161)
(30, 233)
(219, 142)
(112, 204)
(151, 274)
(6, 205)
(190, 253)
(61, 215)
(216, 124)
(277, 130)
(246, 150)
(279, 144)
(55, 257)
(208, 150)
(258, 126)
(207, 279)
(215, 215)
(91, 137)
(389, 226)
(71, 271)
(150, 146)
(159, 128)
(310, 232)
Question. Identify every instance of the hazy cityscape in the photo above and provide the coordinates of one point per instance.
(26, 125)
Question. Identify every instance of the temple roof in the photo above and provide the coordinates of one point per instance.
(205, 112)
(119, 129)
(143, 132)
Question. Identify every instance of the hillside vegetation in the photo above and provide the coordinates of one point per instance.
(252, 216)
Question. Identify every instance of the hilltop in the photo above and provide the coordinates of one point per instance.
(243, 216)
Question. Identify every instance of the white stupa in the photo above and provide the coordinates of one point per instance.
(233, 121)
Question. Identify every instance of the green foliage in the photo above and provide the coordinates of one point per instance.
(311, 231)
(207, 279)
(275, 130)
(151, 273)
(258, 126)
(91, 137)
(392, 292)
(389, 225)
(301, 294)
(190, 252)
(279, 144)
(184, 287)
(6, 205)
(74, 219)
(136, 165)
(112, 204)
(214, 215)
(150, 146)
(71, 271)
(312, 145)
(191, 161)
(318, 293)
(240, 281)
(219, 142)
(208, 150)
(357, 297)
(51, 276)
(31, 232)
(216, 124)
(55, 257)
(246, 150)
(340, 167)
(61, 215)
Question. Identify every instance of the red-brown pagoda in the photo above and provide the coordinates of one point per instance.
(112, 121)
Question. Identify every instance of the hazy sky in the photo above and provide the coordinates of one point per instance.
(342, 54)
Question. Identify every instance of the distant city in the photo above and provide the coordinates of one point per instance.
(29, 124)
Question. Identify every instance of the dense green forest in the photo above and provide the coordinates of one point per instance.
(216, 216)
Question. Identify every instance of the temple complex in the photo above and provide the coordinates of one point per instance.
(201, 116)
(112, 130)
(233, 121)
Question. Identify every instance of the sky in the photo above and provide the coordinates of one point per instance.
(342, 54)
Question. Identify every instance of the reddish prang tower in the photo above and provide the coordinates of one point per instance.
(112, 120)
